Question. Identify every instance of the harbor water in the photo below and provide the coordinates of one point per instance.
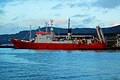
(25, 64)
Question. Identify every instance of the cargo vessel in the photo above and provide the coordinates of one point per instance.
(49, 41)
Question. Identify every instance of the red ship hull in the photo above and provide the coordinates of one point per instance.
(57, 46)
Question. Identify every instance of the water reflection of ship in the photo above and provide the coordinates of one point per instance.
(48, 40)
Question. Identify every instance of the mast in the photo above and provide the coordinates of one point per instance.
(100, 34)
(51, 21)
(69, 23)
(69, 30)
(46, 25)
(52, 33)
(30, 34)
(39, 29)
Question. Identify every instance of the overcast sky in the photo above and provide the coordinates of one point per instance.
(17, 15)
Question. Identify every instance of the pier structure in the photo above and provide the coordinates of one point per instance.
(118, 40)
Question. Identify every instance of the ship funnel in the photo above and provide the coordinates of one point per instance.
(100, 34)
